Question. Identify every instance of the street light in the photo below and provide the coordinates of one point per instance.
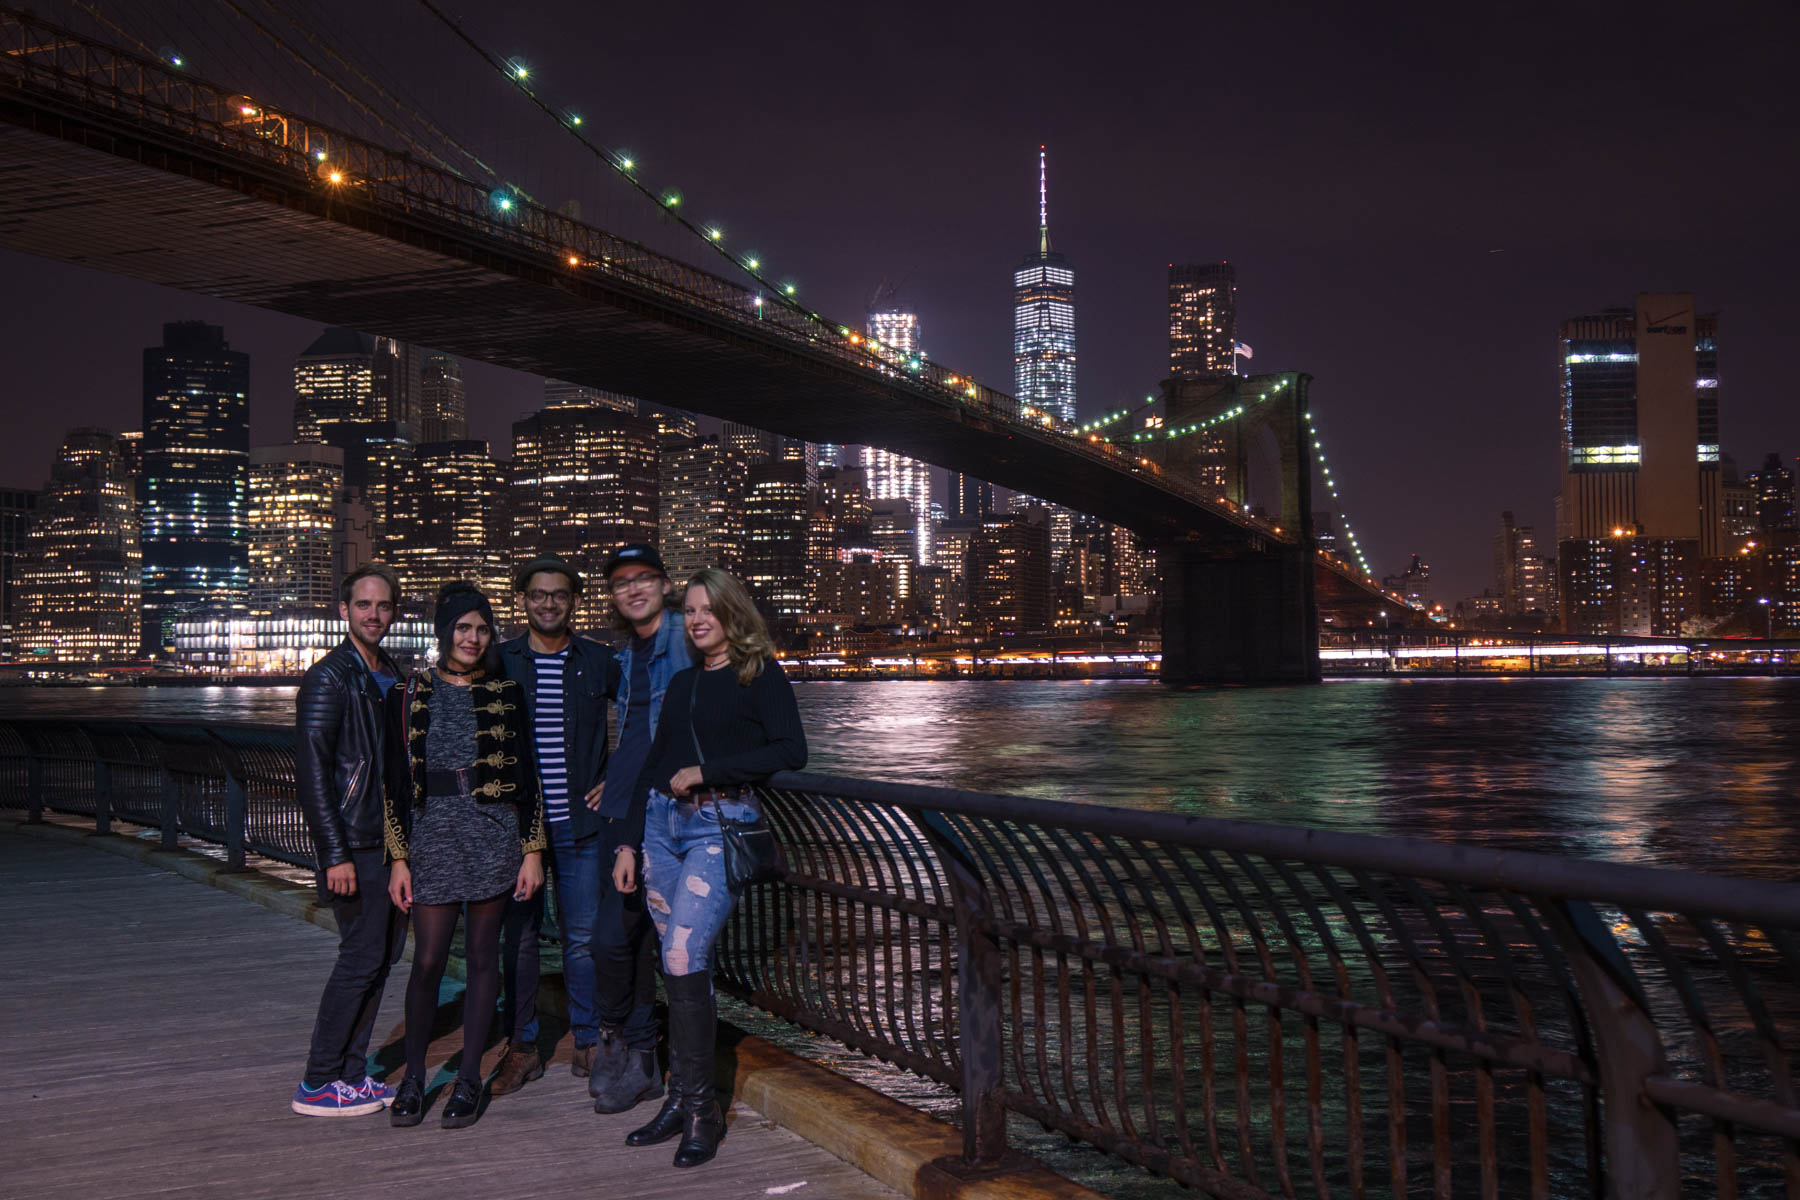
(1768, 617)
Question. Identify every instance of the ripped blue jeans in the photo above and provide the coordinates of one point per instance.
(684, 878)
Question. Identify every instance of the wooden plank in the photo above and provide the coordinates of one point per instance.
(155, 1030)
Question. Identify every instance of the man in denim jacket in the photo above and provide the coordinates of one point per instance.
(624, 1071)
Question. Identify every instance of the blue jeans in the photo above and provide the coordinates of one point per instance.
(575, 867)
(684, 878)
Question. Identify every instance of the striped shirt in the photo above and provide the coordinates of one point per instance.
(547, 732)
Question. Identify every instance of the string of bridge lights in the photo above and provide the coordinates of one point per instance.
(1112, 418)
(1151, 435)
(626, 167)
(1312, 433)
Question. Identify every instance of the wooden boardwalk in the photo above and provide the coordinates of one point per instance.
(153, 1030)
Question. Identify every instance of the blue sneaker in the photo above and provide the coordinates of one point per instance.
(335, 1099)
(376, 1090)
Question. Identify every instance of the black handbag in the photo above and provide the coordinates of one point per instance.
(752, 855)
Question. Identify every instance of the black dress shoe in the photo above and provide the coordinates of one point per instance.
(408, 1107)
(463, 1108)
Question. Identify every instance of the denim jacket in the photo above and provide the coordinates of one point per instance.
(668, 655)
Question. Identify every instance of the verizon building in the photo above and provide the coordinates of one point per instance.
(1640, 503)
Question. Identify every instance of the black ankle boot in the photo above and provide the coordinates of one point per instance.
(663, 1126)
(702, 1130)
(693, 1035)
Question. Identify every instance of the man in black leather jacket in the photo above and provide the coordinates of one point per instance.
(341, 763)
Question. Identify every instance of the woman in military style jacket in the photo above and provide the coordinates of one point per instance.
(465, 829)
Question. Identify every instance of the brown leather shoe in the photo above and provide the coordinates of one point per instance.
(582, 1062)
(520, 1066)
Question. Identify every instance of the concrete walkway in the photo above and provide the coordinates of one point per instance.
(154, 1030)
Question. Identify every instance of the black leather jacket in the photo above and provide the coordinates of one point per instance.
(341, 752)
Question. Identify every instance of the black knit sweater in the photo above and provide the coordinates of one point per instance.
(747, 732)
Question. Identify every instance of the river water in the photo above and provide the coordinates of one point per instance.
(1702, 774)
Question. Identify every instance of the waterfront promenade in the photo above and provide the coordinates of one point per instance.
(155, 1028)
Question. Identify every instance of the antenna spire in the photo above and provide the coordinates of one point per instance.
(1043, 205)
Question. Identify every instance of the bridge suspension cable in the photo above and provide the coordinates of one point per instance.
(668, 200)
(1362, 561)
(412, 110)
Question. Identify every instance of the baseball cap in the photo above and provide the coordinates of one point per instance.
(636, 553)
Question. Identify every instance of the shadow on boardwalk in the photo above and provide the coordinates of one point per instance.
(155, 1029)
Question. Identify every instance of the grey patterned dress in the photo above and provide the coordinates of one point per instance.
(461, 849)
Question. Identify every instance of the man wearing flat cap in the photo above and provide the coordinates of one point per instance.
(567, 682)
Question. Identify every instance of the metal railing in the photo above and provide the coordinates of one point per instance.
(76, 77)
(1252, 1010)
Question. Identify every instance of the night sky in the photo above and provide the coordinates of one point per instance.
(1413, 197)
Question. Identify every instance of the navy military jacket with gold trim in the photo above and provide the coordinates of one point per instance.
(502, 774)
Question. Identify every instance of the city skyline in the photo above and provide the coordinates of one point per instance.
(1408, 273)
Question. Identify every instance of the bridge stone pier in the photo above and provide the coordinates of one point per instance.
(1237, 615)
(1244, 611)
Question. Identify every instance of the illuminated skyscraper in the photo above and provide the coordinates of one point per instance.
(674, 426)
(294, 494)
(196, 465)
(777, 505)
(1044, 321)
(1773, 489)
(375, 457)
(1518, 570)
(17, 507)
(893, 476)
(969, 496)
(1007, 576)
(349, 376)
(1202, 320)
(700, 507)
(443, 403)
(584, 482)
(896, 331)
(1640, 443)
(448, 521)
(560, 394)
(80, 574)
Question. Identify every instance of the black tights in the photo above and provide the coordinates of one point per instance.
(433, 927)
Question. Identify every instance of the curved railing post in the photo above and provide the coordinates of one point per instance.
(34, 787)
(171, 796)
(237, 800)
(1643, 1153)
(103, 791)
(980, 1034)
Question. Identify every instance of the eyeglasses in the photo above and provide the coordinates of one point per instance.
(636, 583)
(540, 596)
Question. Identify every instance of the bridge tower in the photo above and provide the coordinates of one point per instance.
(1240, 612)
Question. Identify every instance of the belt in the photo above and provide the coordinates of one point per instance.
(737, 795)
(458, 782)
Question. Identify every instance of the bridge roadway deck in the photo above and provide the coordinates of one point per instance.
(155, 1029)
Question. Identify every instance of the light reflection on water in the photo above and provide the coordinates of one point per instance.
(1698, 773)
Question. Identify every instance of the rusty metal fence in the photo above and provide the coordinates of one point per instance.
(1252, 1010)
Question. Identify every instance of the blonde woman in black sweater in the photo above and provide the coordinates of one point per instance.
(725, 723)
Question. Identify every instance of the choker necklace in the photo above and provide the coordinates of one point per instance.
(454, 674)
(723, 659)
